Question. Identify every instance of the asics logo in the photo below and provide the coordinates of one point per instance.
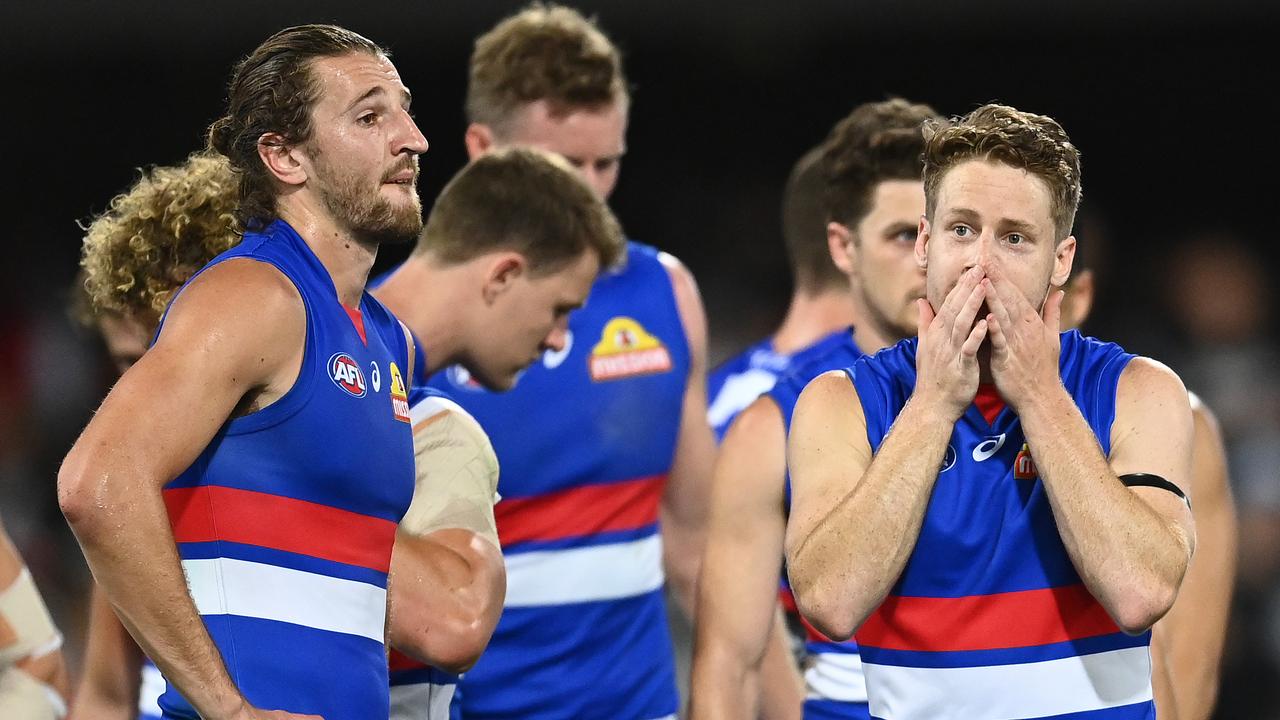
(988, 447)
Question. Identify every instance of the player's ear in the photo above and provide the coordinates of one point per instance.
(1063, 256)
(478, 139)
(501, 273)
(922, 243)
(843, 249)
(286, 163)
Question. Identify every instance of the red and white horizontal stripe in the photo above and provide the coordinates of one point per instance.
(225, 586)
(580, 511)
(1053, 687)
(586, 574)
(1019, 619)
(208, 513)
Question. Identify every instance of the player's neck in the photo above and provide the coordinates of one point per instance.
(811, 317)
(347, 259)
(426, 299)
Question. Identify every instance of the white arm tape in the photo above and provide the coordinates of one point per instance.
(457, 472)
(24, 698)
(22, 608)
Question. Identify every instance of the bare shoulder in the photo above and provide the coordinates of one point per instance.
(758, 423)
(683, 286)
(1206, 421)
(828, 401)
(1151, 383)
(234, 304)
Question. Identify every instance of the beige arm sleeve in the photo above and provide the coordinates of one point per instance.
(23, 609)
(457, 472)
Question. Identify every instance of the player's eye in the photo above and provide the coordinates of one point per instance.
(1015, 239)
(962, 231)
(906, 236)
(368, 118)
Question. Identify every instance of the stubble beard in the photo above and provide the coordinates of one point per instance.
(369, 216)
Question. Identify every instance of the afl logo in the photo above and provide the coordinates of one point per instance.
(948, 460)
(346, 374)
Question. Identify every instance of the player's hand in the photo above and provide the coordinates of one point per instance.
(254, 713)
(1024, 341)
(947, 356)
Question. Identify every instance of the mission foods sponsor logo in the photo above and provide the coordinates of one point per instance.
(399, 395)
(346, 374)
(626, 349)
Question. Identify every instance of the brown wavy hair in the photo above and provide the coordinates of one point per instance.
(544, 52)
(525, 200)
(1030, 142)
(154, 237)
(272, 90)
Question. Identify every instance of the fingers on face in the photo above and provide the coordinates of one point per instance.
(956, 298)
(964, 319)
(974, 341)
(1053, 310)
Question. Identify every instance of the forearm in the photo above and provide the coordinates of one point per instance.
(447, 590)
(108, 688)
(846, 563)
(682, 548)
(781, 687)
(126, 537)
(1131, 558)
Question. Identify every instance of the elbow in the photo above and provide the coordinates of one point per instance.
(75, 495)
(828, 613)
(1138, 611)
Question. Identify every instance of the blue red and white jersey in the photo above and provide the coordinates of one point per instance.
(835, 687)
(989, 618)
(420, 691)
(738, 381)
(586, 440)
(285, 522)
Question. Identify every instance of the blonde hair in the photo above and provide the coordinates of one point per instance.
(154, 237)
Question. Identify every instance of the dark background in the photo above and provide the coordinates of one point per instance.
(1172, 104)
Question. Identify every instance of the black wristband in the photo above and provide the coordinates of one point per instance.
(1155, 481)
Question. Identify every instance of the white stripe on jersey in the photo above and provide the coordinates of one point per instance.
(601, 572)
(225, 586)
(421, 701)
(835, 676)
(149, 692)
(1053, 687)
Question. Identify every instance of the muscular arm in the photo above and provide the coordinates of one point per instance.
(447, 577)
(1130, 545)
(108, 688)
(684, 504)
(1190, 637)
(738, 587)
(855, 519)
(236, 333)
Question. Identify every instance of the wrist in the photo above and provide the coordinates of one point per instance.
(1045, 401)
(934, 406)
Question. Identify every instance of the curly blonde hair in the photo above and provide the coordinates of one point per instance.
(154, 237)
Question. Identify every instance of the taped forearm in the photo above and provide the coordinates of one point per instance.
(22, 609)
(457, 472)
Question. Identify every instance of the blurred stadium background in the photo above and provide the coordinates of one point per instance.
(1172, 103)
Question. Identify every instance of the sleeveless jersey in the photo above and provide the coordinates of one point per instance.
(989, 619)
(834, 684)
(586, 441)
(285, 522)
(738, 381)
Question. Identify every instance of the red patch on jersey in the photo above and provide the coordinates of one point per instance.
(988, 402)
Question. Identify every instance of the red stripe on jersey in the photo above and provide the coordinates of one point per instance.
(399, 661)
(357, 319)
(788, 602)
(986, 622)
(580, 511)
(209, 513)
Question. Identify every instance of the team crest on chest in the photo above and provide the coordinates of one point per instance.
(1024, 467)
(346, 374)
(399, 395)
(625, 350)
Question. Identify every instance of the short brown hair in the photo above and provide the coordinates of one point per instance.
(525, 200)
(544, 52)
(272, 90)
(804, 226)
(877, 142)
(1030, 142)
(154, 237)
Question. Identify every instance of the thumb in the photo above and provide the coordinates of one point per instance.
(925, 317)
(1052, 315)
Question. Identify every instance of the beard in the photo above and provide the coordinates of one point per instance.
(368, 215)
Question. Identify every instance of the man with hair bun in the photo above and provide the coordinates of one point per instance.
(997, 508)
(870, 199)
(600, 439)
(238, 492)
